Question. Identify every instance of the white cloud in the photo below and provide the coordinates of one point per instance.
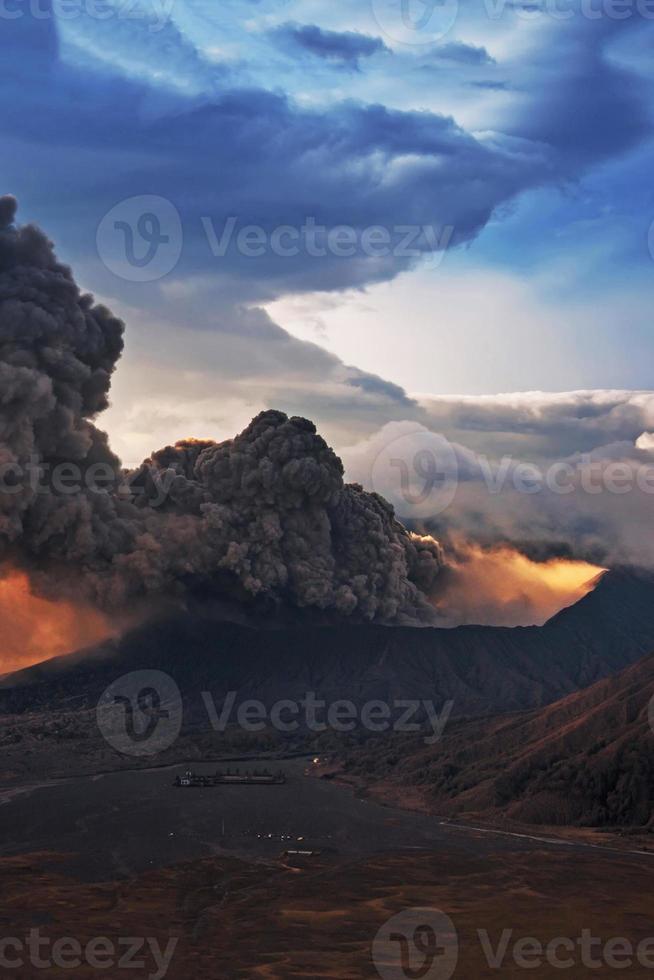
(582, 486)
(465, 327)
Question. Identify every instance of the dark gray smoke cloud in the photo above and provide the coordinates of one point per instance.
(265, 518)
(57, 353)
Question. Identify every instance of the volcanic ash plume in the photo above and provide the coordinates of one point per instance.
(35, 629)
(265, 516)
(502, 587)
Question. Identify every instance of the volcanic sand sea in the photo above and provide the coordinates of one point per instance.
(127, 854)
(131, 821)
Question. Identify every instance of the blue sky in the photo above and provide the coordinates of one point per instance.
(518, 135)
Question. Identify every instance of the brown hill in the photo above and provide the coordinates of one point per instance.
(585, 760)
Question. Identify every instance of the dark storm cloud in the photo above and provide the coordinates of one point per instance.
(371, 383)
(258, 156)
(465, 54)
(345, 47)
(263, 518)
(270, 161)
(491, 86)
(591, 108)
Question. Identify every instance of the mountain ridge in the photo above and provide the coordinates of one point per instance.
(484, 670)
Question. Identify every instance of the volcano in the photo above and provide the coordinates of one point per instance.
(483, 670)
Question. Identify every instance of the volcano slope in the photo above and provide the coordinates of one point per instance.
(483, 670)
(47, 712)
(586, 760)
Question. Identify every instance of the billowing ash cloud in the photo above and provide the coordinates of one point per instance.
(265, 517)
(57, 353)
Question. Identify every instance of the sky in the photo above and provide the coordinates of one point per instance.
(374, 214)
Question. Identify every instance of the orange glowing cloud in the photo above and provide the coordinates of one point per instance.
(502, 587)
(36, 629)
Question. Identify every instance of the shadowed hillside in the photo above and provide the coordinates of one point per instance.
(587, 760)
(484, 670)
